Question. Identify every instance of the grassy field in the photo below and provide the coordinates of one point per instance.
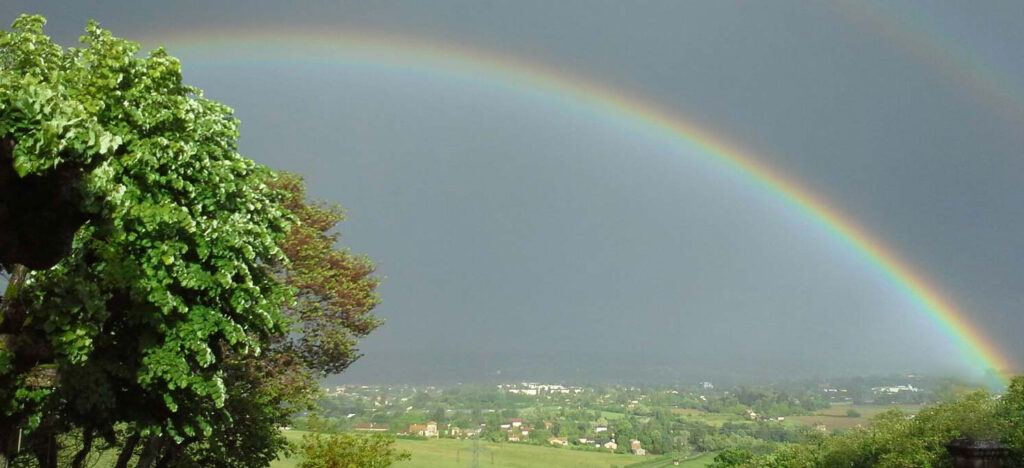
(699, 461)
(835, 418)
(611, 415)
(714, 419)
(449, 453)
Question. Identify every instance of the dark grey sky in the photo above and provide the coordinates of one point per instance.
(526, 237)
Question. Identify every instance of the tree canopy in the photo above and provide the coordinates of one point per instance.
(151, 263)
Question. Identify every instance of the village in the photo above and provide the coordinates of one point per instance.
(621, 419)
(514, 429)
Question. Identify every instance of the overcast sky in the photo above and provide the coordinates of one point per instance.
(524, 238)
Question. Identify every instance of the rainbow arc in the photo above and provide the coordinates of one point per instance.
(458, 62)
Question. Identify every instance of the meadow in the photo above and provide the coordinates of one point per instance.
(713, 419)
(452, 453)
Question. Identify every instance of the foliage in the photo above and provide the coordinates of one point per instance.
(170, 275)
(171, 270)
(349, 451)
(895, 439)
(183, 272)
(336, 292)
(198, 296)
(732, 457)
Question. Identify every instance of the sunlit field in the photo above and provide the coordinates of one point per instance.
(450, 453)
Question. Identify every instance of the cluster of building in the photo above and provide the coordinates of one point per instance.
(635, 447)
(753, 416)
(433, 430)
(896, 389)
(534, 389)
(515, 431)
(430, 430)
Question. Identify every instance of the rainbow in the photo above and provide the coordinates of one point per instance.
(459, 62)
(905, 31)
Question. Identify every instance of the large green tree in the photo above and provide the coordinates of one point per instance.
(168, 297)
(165, 264)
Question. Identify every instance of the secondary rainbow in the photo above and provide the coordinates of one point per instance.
(906, 30)
(415, 54)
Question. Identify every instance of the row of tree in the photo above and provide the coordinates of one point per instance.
(168, 299)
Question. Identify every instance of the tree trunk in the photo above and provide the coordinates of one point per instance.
(149, 455)
(9, 314)
(18, 273)
(79, 460)
(127, 451)
(46, 451)
(171, 452)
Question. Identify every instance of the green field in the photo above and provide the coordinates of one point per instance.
(699, 461)
(449, 453)
(835, 417)
(714, 419)
(611, 415)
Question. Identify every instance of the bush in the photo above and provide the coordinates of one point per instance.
(349, 451)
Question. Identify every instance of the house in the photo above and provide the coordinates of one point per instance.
(505, 425)
(370, 427)
(424, 430)
(600, 429)
(516, 422)
(563, 441)
(514, 437)
(611, 445)
(636, 448)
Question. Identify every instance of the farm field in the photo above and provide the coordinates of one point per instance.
(449, 453)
